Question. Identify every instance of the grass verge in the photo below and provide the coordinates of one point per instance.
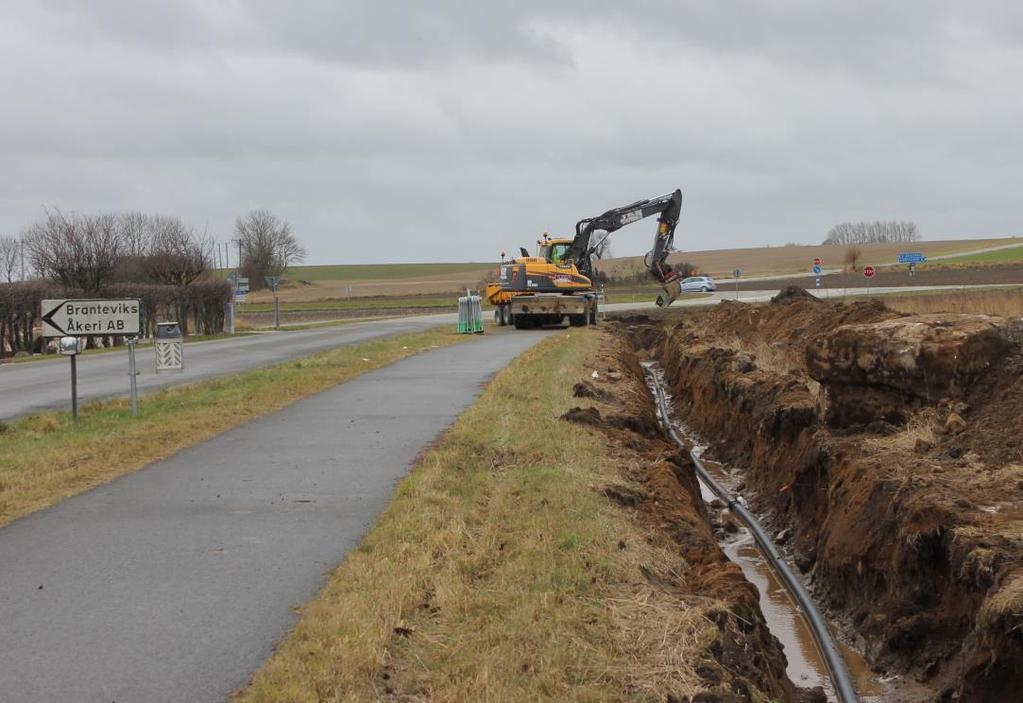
(498, 572)
(145, 343)
(44, 460)
(1007, 302)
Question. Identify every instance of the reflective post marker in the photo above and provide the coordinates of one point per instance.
(132, 373)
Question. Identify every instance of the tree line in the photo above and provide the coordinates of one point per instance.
(877, 232)
(157, 258)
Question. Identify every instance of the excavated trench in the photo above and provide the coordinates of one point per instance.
(883, 451)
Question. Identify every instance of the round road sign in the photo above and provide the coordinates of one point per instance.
(736, 273)
(817, 269)
(868, 271)
(816, 261)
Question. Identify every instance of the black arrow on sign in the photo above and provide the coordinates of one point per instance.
(48, 318)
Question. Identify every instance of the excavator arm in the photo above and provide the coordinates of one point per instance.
(668, 207)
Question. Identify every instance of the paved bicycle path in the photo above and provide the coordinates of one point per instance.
(175, 583)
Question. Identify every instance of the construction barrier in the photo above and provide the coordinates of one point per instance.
(470, 314)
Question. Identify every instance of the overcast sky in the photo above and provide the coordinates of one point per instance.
(450, 130)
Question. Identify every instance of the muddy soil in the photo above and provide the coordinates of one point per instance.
(926, 275)
(890, 445)
(659, 487)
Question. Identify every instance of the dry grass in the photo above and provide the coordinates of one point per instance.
(1007, 302)
(496, 572)
(43, 460)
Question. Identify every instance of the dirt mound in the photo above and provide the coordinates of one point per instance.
(793, 294)
(911, 535)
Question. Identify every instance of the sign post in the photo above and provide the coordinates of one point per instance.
(736, 274)
(72, 347)
(74, 320)
(271, 282)
(912, 258)
(868, 273)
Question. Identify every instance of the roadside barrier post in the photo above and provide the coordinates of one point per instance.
(132, 374)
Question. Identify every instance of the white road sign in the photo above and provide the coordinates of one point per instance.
(82, 318)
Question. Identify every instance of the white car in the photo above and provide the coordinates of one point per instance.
(701, 284)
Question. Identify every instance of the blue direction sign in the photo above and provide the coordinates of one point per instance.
(911, 257)
(736, 273)
(817, 269)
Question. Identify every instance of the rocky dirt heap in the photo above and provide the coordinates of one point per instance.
(886, 370)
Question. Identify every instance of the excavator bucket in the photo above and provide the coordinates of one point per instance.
(672, 290)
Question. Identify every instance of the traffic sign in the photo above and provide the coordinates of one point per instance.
(818, 281)
(736, 273)
(92, 317)
(817, 261)
(868, 271)
(911, 257)
(817, 269)
(239, 296)
(271, 281)
(241, 285)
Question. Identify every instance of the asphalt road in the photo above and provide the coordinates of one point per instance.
(174, 583)
(41, 385)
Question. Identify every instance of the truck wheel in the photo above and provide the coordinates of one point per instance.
(522, 322)
(506, 315)
(498, 317)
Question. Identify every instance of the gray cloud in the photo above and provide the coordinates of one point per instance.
(450, 130)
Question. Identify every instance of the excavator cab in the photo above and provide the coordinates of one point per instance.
(554, 250)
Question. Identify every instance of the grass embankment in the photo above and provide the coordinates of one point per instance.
(1007, 302)
(44, 460)
(498, 572)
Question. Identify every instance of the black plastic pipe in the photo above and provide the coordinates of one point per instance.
(818, 625)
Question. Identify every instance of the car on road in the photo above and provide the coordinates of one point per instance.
(702, 284)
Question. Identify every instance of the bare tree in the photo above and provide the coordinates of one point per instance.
(852, 257)
(175, 255)
(872, 232)
(10, 249)
(268, 245)
(77, 250)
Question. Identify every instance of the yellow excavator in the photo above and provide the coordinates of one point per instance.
(558, 281)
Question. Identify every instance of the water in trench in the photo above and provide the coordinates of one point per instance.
(805, 666)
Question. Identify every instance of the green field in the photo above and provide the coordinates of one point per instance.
(367, 272)
(1001, 255)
